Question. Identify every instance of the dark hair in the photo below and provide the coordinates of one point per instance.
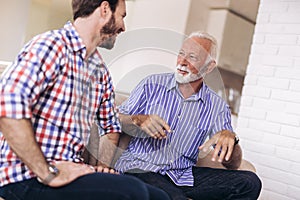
(83, 8)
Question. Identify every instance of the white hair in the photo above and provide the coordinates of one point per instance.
(204, 35)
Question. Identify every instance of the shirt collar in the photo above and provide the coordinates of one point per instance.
(73, 39)
(201, 95)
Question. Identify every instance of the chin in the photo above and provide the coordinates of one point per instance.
(189, 78)
(108, 44)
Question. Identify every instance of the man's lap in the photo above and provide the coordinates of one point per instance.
(209, 183)
(88, 187)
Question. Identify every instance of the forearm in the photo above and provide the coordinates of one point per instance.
(107, 148)
(145, 125)
(20, 137)
(131, 124)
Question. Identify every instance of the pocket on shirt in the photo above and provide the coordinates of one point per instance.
(189, 142)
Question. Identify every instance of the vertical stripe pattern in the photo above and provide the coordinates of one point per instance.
(192, 121)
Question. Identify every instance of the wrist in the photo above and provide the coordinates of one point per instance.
(236, 140)
(135, 119)
(52, 173)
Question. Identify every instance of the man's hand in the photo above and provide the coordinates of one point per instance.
(153, 125)
(224, 145)
(102, 168)
(68, 172)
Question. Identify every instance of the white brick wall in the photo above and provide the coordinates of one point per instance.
(269, 118)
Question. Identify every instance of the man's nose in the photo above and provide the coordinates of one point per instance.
(122, 26)
(183, 60)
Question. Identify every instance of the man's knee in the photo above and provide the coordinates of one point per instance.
(254, 183)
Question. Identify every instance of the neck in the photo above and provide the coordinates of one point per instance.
(88, 29)
(188, 89)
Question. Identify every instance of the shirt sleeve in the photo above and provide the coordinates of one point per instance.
(107, 114)
(223, 120)
(32, 72)
(136, 102)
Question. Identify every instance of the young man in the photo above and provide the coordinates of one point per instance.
(178, 112)
(51, 95)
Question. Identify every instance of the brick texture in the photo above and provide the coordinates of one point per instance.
(269, 118)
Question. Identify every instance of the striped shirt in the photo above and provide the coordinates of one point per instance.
(192, 121)
(63, 95)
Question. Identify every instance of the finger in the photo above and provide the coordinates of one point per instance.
(99, 169)
(151, 124)
(165, 126)
(148, 131)
(216, 152)
(159, 130)
(106, 170)
(112, 171)
(158, 135)
(230, 150)
(152, 131)
(222, 154)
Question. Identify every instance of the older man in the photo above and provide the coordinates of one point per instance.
(176, 113)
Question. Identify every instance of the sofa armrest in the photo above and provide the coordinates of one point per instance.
(206, 162)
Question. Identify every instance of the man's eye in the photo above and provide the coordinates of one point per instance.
(181, 53)
(193, 58)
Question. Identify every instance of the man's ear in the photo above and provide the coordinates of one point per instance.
(211, 66)
(105, 11)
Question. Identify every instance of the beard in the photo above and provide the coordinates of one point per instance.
(109, 43)
(109, 29)
(190, 77)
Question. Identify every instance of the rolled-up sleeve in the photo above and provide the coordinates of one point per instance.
(223, 120)
(107, 114)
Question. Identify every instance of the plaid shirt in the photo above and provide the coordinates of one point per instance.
(63, 95)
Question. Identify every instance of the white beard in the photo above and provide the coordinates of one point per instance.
(190, 77)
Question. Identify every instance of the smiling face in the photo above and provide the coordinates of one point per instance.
(114, 26)
(193, 60)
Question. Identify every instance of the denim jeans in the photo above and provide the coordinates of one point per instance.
(89, 187)
(209, 184)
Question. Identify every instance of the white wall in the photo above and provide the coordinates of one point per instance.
(13, 23)
(21, 20)
(167, 14)
(47, 15)
(154, 33)
(269, 118)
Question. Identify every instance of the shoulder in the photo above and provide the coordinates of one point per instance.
(214, 98)
(162, 78)
(48, 41)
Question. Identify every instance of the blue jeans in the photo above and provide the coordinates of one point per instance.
(209, 184)
(89, 187)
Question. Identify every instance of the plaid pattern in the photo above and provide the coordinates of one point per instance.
(61, 93)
